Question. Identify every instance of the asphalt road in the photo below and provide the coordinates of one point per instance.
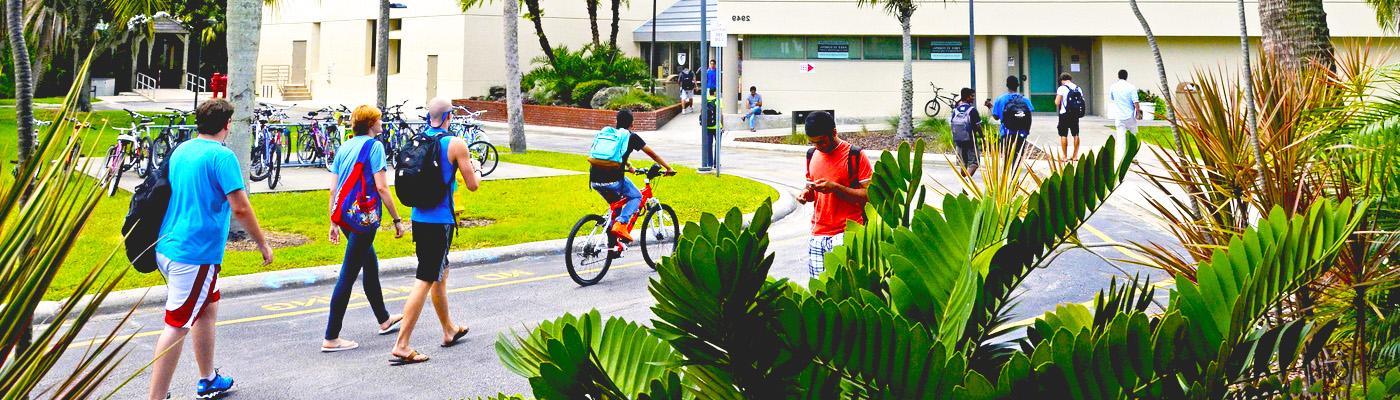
(269, 342)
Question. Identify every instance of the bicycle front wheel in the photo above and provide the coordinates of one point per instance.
(331, 146)
(485, 154)
(931, 108)
(307, 148)
(587, 254)
(258, 169)
(142, 155)
(114, 168)
(659, 234)
(275, 170)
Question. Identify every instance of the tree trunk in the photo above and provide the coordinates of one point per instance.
(1251, 109)
(906, 98)
(243, 30)
(1163, 86)
(592, 19)
(533, 8)
(514, 102)
(616, 17)
(381, 56)
(1295, 32)
(24, 80)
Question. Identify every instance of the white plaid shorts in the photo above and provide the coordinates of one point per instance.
(817, 247)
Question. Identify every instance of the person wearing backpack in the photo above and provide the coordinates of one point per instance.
(424, 181)
(966, 126)
(611, 148)
(837, 173)
(711, 120)
(687, 81)
(1069, 99)
(206, 191)
(1014, 112)
(359, 189)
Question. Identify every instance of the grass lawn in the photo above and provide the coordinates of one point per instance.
(95, 140)
(42, 100)
(1160, 136)
(524, 210)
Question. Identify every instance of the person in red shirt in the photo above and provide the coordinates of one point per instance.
(837, 173)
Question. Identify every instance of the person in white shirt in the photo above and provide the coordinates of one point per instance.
(1069, 118)
(1123, 98)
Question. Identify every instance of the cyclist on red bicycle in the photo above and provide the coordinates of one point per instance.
(607, 172)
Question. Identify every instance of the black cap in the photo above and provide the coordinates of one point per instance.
(820, 123)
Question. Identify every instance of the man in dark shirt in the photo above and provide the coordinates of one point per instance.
(687, 81)
(612, 183)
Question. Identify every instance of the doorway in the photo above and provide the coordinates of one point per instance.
(1048, 58)
(298, 73)
(432, 76)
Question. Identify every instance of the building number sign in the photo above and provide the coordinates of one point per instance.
(739, 18)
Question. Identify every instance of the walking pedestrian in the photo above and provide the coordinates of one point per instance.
(710, 138)
(433, 228)
(1014, 111)
(206, 190)
(1124, 98)
(1070, 102)
(837, 172)
(755, 108)
(687, 81)
(966, 126)
(359, 245)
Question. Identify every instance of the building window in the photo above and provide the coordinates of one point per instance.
(394, 56)
(943, 49)
(833, 48)
(884, 48)
(369, 45)
(372, 40)
(776, 47)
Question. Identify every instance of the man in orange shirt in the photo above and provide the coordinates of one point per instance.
(837, 173)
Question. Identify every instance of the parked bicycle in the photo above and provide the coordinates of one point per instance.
(396, 132)
(591, 246)
(465, 125)
(130, 151)
(175, 131)
(268, 142)
(941, 98)
(319, 138)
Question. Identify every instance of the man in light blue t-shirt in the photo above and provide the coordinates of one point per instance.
(206, 190)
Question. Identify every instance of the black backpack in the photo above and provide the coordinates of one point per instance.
(141, 228)
(1017, 114)
(710, 114)
(418, 178)
(1074, 103)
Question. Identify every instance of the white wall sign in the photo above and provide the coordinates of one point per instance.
(719, 38)
(1074, 68)
(680, 58)
(806, 68)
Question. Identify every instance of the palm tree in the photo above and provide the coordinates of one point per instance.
(70, 27)
(903, 10)
(515, 113)
(1161, 77)
(535, 14)
(592, 18)
(1251, 109)
(616, 16)
(244, 30)
(24, 79)
(381, 56)
(1295, 32)
(1387, 13)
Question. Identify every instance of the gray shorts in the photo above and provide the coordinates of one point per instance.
(967, 152)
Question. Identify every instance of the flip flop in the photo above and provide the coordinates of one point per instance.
(411, 358)
(352, 346)
(393, 327)
(457, 337)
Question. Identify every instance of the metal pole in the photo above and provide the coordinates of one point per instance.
(972, 47)
(704, 81)
(651, 58)
(719, 114)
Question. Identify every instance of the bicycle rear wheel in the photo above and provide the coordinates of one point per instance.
(258, 168)
(275, 170)
(331, 146)
(485, 153)
(307, 148)
(659, 234)
(114, 168)
(586, 254)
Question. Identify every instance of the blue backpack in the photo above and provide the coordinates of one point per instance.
(609, 146)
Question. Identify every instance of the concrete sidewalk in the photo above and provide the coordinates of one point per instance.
(308, 178)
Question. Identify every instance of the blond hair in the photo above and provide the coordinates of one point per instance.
(363, 118)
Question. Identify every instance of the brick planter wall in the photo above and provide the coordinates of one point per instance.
(570, 117)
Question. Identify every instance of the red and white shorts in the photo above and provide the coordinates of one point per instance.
(188, 289)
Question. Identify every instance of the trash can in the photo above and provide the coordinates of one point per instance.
(104, 86)
(1186, 93)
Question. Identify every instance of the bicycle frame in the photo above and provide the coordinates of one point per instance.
(646, 204)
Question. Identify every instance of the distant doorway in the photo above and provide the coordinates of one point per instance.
(432, 76)
(1048, 58)
(298, 73)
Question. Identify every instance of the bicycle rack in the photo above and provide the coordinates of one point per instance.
(293, 132)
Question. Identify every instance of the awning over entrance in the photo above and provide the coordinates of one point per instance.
(678, 23)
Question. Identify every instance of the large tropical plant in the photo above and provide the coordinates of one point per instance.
(43, 209)
(569, 68)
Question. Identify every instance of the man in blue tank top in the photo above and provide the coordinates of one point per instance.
(432, 237)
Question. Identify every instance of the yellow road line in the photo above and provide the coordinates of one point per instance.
(1099, 234)
(354, 305)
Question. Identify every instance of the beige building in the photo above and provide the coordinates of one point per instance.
(801, 54)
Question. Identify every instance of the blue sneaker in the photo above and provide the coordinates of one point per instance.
(213, 388)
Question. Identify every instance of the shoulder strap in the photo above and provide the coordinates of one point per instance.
(852, 162)
(810, 152)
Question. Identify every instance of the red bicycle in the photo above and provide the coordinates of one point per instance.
(592, 246)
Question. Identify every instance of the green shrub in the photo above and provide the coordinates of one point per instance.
(1159, 107)
(639, 100)
(584, 92)
(591, 63)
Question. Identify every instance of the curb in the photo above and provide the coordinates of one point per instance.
(267, 282)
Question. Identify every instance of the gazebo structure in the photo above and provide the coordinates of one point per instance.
(164, 30)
